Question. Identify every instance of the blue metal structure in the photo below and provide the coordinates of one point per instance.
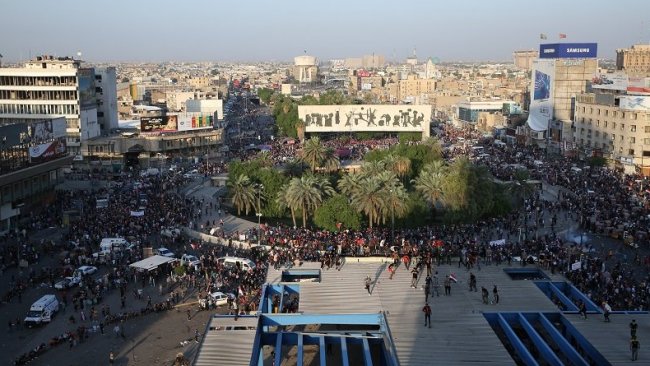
(544, 336)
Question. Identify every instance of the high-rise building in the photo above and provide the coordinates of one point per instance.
(49, 87)
(561, 72)
(635, 61)
(524, 59)
(305, 69)
(106, 87)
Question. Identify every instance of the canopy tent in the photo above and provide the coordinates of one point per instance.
(152, 262)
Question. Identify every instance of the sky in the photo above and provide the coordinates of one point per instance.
(278, 30)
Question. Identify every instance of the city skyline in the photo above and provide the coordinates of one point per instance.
(198, 30)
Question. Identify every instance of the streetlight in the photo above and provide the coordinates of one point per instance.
(259, 188)
(392, 218)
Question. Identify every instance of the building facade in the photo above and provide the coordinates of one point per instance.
(524, 59)
(48, 87)
(305, 69)
(106, 87)
(618, 126)
(635, 61)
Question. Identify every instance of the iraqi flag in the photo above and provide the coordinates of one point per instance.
(240, 291)
(453, 278)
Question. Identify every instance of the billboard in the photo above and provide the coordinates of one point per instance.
(195, 121)
(87, 97)
(610, 81)
(638, 85)
(159, 124)
(542, 86)
(365, 117)
(14, 135)
(48, 151)
(47, 130)
(541, 101)
(568, 50)
(635, 103)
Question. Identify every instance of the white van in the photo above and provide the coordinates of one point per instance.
(42, 311)
(244, 264)
(108, 245)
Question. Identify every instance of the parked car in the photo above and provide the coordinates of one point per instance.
(67, 282)
(170, 232)
(85, 271)
(164, 252)
(190, 260)
(218, 298)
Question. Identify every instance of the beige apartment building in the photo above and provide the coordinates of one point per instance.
(524, 59)
(606, 122)
(635, 61)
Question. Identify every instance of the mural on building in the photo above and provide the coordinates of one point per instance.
(365, 118)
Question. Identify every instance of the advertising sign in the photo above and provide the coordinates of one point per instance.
(568, 50)
(87, 97)
(366, 86)
(541, 105)
(610, 81)
(363, 73)
(365, 117)
(638, 85)
(48, 151)
(635, 103)
(194, 121)
(47, 130)
(158, 124)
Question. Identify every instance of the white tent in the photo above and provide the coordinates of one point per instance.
(152, 262)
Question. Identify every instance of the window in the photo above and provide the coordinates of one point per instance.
(646, 141)
(597, 123)
(614, 125)
(605, 124)
(622, 126)
(632, 140)
(622, 114)
(630, 152)
(633, 128)
(647, 129)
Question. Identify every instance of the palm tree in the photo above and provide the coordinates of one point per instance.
(313, 153)
(434, 144)
(307, 193)
(402, 166)
(330, 161)
(430, 184)
(350, 184)
(394, 203)
(373, 168)
(294, 167)
(282, 199)
(243, 195)
(369, 199)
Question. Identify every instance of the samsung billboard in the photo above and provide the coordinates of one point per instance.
(568, 50)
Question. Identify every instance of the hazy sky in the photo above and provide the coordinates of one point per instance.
(211, 30)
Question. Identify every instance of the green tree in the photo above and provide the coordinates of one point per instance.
(242, 193)
(337, 209)
(307, 193)
(282, 200)
(313, 153)
(370, 199)
(265, 95)
(430, 183)
(519, 187)
(330, 162)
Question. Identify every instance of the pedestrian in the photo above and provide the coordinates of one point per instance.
(495, 294)
(414, 279)
(196, 335)
(101, 327)
(427, 287)
(189, 314)
(484, 294)
(606, 311)
(583, 310)
(116, 330)
(368, 281)
(634, 347)
(447, 286)
(436, 285)
(472, 282)
(111, 358)
(427, 314)
(633, 327)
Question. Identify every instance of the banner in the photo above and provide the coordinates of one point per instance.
(635, 103)
(194, 121)
(568, 50)
(638, 85)
(541, 98)
(137, 213)
(366, 118)
(576, 266)
(159, 124)
(48, 151)
(498, 242)
(47, 130)
(610, 81)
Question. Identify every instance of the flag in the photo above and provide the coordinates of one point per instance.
(542, 36)
(562, 35)
(453, 278)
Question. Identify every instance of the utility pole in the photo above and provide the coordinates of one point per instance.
(259, 187)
